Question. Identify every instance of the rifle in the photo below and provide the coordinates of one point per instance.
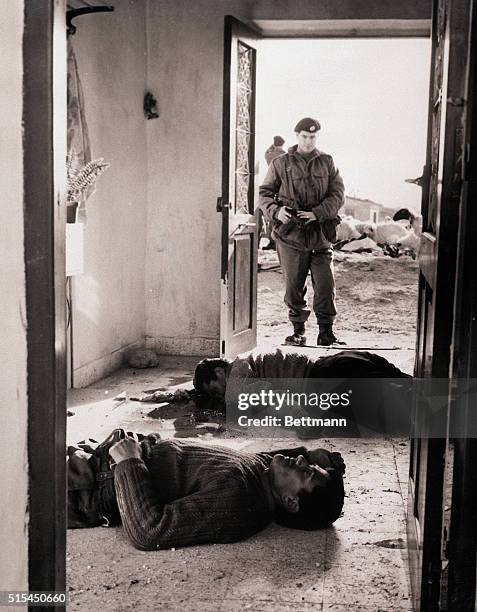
(328, 227)
(291, 209)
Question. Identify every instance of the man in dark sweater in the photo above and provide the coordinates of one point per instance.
(378, 407)
(182, 494)
(211, 375)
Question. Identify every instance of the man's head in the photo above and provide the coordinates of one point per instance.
(306, 130)
(403, 213)
(210, 376)
(278, 141)
(307, 496)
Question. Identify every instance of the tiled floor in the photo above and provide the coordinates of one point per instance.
(359, 564)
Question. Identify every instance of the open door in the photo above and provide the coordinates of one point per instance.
(437, 262)
(238, 320)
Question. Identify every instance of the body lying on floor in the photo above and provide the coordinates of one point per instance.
(211, 375)
(171, 493)
(381, 393)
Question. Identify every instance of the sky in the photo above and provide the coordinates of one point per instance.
(371, 98)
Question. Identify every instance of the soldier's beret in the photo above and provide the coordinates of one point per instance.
(308, 125)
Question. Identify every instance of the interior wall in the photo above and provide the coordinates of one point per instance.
(13, 353)
(108, 299)
(185, 72)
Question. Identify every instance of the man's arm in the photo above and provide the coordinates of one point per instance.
(289, 452)
(329, 207)
(213, 514)
(240, 369)
(270, 187)
(318, 456)
(327, 459)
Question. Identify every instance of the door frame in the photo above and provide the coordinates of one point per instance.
(44, 118)
(460, 545)
(437, 291)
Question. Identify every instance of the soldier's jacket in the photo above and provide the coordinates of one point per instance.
(313, 185)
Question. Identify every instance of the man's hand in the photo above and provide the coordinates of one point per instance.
(283, 215)
(306, 216)
(324, 459)
(338, 463)
(125, 449)
(321, 457)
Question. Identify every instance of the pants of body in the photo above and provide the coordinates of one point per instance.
(91, 491)
(381, 395)
(295, 266)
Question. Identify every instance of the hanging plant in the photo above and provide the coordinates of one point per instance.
(79, 180)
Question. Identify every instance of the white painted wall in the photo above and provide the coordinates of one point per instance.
(108, 299)
(13, 354)
(185, 72)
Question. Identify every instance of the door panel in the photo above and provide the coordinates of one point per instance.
(243, 261)
(437, 263)
(238, 328)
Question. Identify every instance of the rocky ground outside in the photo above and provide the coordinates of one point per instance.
(376, 298)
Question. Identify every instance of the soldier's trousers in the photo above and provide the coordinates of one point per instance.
(295, 266)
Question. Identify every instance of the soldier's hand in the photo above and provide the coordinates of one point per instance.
(306, 216)
(283, 215)
(125, 449)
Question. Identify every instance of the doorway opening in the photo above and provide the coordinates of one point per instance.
(371, 98)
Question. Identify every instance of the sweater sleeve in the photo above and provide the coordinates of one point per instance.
(329, 207)
(216, 513)
(240, 370)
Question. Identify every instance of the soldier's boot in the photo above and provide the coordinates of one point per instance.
(326, 336)
(298, 337)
